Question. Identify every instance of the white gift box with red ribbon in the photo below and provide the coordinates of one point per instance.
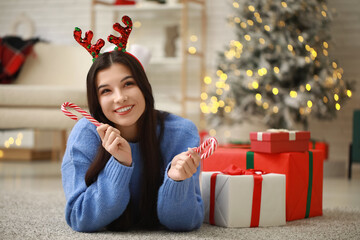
(244, 200)
(279, 140)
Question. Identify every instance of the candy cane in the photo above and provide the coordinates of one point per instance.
(212, 142)
(78, 109)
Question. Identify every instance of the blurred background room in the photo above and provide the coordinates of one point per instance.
(232, 67)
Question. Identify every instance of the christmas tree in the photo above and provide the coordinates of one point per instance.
(279, 66)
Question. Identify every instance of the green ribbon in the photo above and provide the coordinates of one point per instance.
(308, 201)
(313, 144)
(249, 160)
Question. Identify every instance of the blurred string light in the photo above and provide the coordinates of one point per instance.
(192, 50)
(193, 38)
(11, 140)
(212, 132)
(137, 24)
(275, 91)
(349, 93)
(275, 109)
(293, 94)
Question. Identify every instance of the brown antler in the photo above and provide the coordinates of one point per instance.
(121, 41)
(94, 50)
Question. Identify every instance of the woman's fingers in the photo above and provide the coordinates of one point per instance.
(114, 144)
(185, 164)
(195, 157)
(101, 130)
(110, 134)
(189, 167)
(108, 139)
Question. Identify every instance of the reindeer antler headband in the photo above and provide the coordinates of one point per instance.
(120, 42)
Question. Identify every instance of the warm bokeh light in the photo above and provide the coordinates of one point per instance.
(204, 96)
(251, 8)
(309, 104)
(337, 106)
(349, 93)
(293, 94)
(207, 80)
(258, 97)
(275, 91)
(192, 50)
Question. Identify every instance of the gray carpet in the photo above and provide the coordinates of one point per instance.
(32, 211)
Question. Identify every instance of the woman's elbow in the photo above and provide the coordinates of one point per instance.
(182, 225)
(82, 228)
(79, 224)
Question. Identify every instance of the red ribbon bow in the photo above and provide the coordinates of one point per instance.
(256, 203)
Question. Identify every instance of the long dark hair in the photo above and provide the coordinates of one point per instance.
(149, 142)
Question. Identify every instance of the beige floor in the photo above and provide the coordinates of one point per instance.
(46, 176)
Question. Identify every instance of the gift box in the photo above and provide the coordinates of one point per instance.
(303, 170)
(232, 145)
(238, 198)
(280, 141)
(322, 146)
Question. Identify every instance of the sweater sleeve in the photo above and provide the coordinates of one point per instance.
(180, 206)
(91, 208)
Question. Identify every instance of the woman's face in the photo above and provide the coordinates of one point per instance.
(120, 97)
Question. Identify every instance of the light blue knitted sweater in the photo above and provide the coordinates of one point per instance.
(88, 209)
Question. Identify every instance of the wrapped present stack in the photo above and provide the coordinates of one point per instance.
(277, 152)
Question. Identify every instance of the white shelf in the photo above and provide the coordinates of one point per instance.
(140, 7)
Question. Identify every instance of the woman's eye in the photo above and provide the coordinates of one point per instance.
(129, 83)
(104, 91)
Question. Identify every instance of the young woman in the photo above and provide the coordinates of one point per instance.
(137, 169)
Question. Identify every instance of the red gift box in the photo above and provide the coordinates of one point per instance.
(303, 170)
(281, 141)
(232, 145)
(323, 146)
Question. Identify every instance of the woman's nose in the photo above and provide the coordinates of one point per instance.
(120, 97)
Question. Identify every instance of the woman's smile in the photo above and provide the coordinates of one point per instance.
(124, 110)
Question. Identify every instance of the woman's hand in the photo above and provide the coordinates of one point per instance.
(116, 145)
(184, 165)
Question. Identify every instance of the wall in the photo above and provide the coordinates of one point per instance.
(55, 19)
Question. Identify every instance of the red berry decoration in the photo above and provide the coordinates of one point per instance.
(121, 41)
(94, 50)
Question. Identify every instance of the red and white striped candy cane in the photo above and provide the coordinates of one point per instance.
(212, 143)
(66, 105)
